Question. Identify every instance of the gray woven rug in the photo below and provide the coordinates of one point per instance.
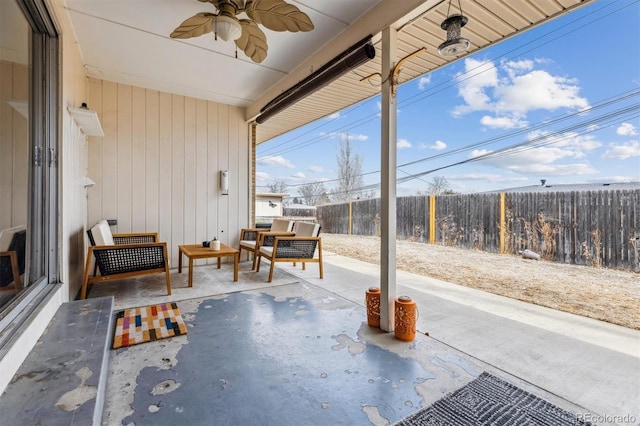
(488, 400)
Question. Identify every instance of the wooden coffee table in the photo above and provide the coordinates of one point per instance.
(196, 251)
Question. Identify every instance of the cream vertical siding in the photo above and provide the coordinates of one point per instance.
(157, 168)
(72, 163)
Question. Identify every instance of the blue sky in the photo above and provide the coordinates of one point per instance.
(559, 102)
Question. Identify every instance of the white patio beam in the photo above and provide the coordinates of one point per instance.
(388, 191)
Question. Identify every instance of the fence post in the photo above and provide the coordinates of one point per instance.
(432, 219)
(503, 223)
(350, 218)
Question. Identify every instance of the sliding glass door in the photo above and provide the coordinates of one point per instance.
(29, 132)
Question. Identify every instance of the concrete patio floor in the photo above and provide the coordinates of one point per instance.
(299, 351)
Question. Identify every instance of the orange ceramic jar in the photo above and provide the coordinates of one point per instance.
(373, 306)
(406, 316)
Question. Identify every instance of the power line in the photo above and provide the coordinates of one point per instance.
(447, 84)
(541, 141)
(605, 103)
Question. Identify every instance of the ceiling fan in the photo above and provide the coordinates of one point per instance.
(276, 15)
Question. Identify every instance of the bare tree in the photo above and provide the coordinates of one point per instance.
(350, 179)
(324, 198)
(278, 187)
(439, 185)
(312, 193)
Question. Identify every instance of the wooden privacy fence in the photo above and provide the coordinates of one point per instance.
(596, 228)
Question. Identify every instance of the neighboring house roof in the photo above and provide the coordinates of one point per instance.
(270, 195)
(605, 186)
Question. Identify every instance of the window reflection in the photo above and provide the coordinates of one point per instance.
(14, 149)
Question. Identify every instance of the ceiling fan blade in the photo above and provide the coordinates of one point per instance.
(199, 24)
(278, 15)
(253, 41)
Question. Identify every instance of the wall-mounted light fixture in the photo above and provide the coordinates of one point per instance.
(455, 44)
(224, 182)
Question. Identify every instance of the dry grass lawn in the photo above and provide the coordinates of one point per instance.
(604, 294)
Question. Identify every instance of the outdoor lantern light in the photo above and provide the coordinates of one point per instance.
(453, 25)
(224, 182)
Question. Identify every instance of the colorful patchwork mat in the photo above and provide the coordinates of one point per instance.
(147, 323)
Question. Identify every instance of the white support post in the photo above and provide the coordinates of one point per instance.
(388, 191)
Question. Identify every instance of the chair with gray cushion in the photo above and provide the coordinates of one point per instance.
(305, 246)
(119, 256)
(12, 258)
(252, 238)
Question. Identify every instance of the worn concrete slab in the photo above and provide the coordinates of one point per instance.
(291, 354)
(62, 380)
(591, 363)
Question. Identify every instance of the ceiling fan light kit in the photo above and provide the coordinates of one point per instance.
(227, 28)
(275, 15)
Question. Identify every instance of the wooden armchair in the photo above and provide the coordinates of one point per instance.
(251, 240)
(12, 258)
(301, 247)
(119, 256)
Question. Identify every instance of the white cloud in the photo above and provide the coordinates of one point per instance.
(515, 158)
(403, 143)
(626, 129)
(437, 146)
(554, 159)
(276, 161)
(571, 140)
(573, 169)
(615, 179)
(299, 175)
(350, 136)
(486, 177)
(316, 169)
(357, 137)
(479, 152)
(334, 116)
(479, 75)
(514, 68)
(503, 122)
(512, 90)
(424, 82)
(262, 175)
(538, 90)
(623, 151)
